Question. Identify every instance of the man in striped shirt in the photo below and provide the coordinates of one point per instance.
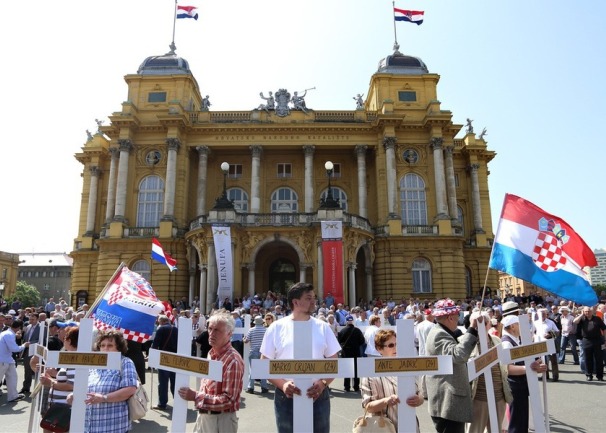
(255, 338)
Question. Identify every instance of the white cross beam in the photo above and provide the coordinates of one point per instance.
(185, 366)
(304, 369)
(407, 366)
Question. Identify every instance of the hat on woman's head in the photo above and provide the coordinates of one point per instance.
(445, 307)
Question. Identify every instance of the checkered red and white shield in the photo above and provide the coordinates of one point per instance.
(547, 253)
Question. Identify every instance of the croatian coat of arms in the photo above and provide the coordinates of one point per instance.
(282, 100)
(548, 253)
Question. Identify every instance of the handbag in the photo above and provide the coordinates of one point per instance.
(138, 403)
(57, 417)
(373, 423)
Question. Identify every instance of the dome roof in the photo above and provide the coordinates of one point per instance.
(166, 64)
(399, 63)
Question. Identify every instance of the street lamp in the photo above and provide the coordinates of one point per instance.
(223, 202)
(329, 202)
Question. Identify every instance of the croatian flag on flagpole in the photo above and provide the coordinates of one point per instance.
(543, 249)
(129, 305)
(161, 256)
(415, 17)
(187, 12)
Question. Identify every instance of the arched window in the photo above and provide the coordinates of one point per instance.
(284, 200)
(337, 194)
(143, 268)
(421, 276)
(413, 201)
(150, 202)
(239, 197)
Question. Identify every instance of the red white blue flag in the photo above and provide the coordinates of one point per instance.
(162, 256)
(543, 249)
(415, 17)
(130, 305)
(187, 12)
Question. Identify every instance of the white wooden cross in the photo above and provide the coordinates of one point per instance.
(527, 352)
(185, 366)
(407, 366)
(39, 351)
(303, 369)
(82, 361)
(482, 365)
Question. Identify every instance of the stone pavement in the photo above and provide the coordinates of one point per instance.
(574, 406)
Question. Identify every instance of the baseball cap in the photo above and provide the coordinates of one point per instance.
(349, 318)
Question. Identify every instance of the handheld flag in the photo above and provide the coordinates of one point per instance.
(543, 249)
(415, 17)
(187, 12)
(129, 304)
(161, 256)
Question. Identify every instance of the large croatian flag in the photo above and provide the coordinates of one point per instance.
(543, 249)
(415, 17)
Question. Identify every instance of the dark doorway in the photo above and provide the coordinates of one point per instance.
(282, 275)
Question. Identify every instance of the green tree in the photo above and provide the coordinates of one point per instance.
(27, 294)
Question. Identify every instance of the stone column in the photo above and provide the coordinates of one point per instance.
(309, 177)
(368, 284)
(212, 283)
(361, 156)
(451, 184)
(351, 270)
(438, 166)
(111, 185)
(251, 279)
(390, 168)
(475, 199)
(192, 283)
(173, 145)
(255, 178)
(92, 200)
(203, 152)
(203, 307)
(125, 147)
(320, 272)
(302, 272)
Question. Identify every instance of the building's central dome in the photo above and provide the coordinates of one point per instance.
(166, 64)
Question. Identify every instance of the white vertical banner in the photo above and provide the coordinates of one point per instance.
(222, 238)
(332, 229)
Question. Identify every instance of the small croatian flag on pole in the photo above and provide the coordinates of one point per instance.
(187, 12)
(161, 256)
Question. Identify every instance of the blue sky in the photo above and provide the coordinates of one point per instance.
(532, 73)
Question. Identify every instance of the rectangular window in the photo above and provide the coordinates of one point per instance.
(235, 171)
(284, 170)
(156, 97)
(336, 170)
(407, 96)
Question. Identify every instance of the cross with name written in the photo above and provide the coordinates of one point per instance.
(185, 366)
(407, 367)
(82, 360)
(527, 352)
(303, 369)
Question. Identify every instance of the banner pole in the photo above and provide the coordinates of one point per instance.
(100, 297)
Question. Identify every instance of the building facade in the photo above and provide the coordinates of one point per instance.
(597, 275)
(9, 265)
(413, 200)
(50, 273)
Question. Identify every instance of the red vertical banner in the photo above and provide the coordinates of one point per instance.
(332, 254)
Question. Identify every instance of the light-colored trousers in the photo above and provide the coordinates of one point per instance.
(480, 417)
(220, 423)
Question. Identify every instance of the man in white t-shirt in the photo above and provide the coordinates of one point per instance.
(278, 343)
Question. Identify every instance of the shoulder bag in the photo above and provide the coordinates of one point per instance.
(57, 417)
(138, 403)
(373, 423)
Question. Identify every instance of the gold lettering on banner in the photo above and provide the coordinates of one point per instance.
(184, 363)
(41, 351)
(486, 359)
(529, 350)
(393, 365)
(90, 359)
(304, 367)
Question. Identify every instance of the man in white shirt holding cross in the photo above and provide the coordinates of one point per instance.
(278, 343)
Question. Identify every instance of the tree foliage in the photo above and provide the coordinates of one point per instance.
(27, 294)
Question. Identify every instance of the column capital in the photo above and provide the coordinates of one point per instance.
(125, 144)
(473, 167)
(94, 170)
(389, 142)
(250, 266)
(436, 143)
(256, 150)
(360, 150)
(173, 143)
(203, 150)
(309, 149)
(449, 150)
(114, 152)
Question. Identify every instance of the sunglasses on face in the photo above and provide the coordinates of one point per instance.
(390, 345)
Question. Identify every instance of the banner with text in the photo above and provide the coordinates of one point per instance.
(332, 254)
(222, 238)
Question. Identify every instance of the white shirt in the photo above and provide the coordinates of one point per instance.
(369, 335)
(541, 328)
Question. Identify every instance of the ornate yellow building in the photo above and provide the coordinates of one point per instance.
(413, 200)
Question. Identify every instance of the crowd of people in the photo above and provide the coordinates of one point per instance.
(441, 327)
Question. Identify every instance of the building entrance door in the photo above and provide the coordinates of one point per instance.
(282, 275)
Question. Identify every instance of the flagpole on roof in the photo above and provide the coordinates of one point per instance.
(172, 45)
(102, 294)
(396, 46)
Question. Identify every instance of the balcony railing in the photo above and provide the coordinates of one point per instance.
(419, 230)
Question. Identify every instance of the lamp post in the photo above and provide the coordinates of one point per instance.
(329, 202)
(222, 202)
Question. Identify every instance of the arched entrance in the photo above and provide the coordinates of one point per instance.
(282, 275)
(276, 267)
